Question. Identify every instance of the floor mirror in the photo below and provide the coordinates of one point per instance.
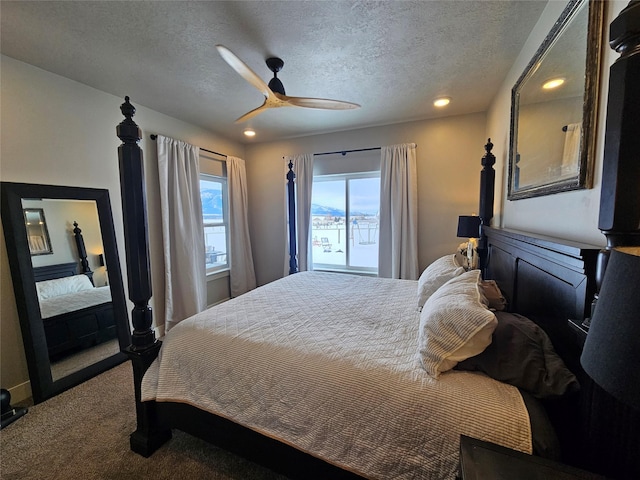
(69, 293)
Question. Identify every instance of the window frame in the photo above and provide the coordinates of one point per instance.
(346, 268)
(224, 223)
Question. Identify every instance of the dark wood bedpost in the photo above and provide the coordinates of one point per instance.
(612, 430)
(293, 264)
(82, 251)
(487, 192)
(619, 217)
(144, 345)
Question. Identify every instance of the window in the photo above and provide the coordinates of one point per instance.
(213, 193)
(345, 220)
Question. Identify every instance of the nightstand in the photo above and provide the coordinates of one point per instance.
(481, 460)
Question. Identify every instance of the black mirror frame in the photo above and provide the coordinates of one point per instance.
(42, 384)
(593, 67)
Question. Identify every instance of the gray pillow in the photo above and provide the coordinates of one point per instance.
(522, 355)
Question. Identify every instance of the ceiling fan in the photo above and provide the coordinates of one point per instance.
(274, 91)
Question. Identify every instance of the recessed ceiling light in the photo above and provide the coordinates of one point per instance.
(553, 83)
(441, 102)
(249, 132)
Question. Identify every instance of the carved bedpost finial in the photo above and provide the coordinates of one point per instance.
(127, 130)
(489, 158)
(127, 109)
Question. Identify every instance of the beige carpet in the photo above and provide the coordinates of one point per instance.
(84, 358)
(83, 434)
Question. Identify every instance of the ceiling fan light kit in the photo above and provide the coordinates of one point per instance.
(274, 92)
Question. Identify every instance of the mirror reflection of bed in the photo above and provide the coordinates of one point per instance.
(78, 319)
(74, 297)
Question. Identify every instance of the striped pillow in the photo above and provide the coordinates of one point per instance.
(437, 274)
(455, 324)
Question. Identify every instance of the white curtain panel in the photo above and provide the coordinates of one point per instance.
(571, 152)
(303, 169)
(242, 273)
(182, 230)
(398, 247)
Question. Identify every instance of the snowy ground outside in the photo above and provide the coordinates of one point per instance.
(362, 240)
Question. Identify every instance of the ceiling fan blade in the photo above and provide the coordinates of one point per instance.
(323, 103)
(244, 71)
(252, 113)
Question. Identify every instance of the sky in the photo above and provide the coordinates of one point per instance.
(364, 194)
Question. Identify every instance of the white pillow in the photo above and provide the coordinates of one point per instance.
(62, 286)
(455, 324)
(436, 275)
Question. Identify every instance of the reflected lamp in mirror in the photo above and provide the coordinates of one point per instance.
(611, 355)
(554, 107)
(469, 227)
(102, 263)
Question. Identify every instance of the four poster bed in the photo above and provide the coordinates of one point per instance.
(360, 391)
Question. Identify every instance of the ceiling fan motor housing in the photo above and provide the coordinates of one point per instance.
(276, 86)
(275, 65)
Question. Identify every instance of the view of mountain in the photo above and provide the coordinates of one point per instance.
(211, 202)
(321, 210)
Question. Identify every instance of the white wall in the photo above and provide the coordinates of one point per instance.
(570, 215)
(59, 132)
(448, 156)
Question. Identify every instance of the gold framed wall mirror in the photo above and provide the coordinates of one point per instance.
(73, 318)
(554, 107)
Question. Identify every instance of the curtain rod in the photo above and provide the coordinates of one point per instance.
(344, 152)
(154, 136)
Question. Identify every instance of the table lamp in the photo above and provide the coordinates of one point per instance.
(469, 227)
(611, 354)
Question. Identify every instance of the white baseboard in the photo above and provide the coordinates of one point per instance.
(20, 392)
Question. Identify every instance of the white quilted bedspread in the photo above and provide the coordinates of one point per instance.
(328, 363)
(71, 302)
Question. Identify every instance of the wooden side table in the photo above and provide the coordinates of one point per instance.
(481, 460)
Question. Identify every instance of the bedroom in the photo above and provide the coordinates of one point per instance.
(29, 135)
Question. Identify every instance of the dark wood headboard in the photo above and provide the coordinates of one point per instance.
(50, 272)
(553, 282)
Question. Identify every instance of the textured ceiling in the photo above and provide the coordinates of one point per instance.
(391, 57)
